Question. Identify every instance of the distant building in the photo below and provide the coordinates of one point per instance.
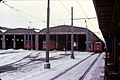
(60, 38)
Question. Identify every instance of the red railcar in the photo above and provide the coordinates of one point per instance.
(27, 45)
(97, 47)
(52, 45)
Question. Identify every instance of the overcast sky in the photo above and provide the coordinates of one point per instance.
(25, 13)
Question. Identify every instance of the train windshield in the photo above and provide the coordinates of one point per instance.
(98, 43)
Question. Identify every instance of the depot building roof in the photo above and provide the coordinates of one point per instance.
(20, 31)
(64, 29)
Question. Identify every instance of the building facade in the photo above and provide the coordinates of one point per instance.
(60, 38)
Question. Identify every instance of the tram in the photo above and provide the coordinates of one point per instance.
(97, 47)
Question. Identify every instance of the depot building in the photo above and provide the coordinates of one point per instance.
(60, 38)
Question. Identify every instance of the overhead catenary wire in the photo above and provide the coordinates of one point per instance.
(87, 18)
(64, 6)
(67, 10)
(84, 13)
(16, 10)
(20, 11)
(82, 8)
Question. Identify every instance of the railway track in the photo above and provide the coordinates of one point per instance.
(81, 77)
(35, 60)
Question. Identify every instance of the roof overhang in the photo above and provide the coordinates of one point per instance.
(106, 12)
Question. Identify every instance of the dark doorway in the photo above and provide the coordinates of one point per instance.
(61, 42)
(9, 39)
(0, 41)
(19, 41)
(81, 42)
(33, 42)
(41, 39)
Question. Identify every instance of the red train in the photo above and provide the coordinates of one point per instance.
(52, 45)
(29, 45)
(98, 47)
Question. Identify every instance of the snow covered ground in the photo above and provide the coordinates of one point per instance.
(29, 65)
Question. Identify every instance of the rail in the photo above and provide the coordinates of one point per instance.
(70, 68)
(82, 77)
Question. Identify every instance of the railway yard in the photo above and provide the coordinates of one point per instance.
(29, 65)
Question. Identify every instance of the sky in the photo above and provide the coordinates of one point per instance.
(33, 13)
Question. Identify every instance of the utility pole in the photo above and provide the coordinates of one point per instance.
(86, 36)
(28, 39)
(31, 39)
(47, 64)
(72, 36)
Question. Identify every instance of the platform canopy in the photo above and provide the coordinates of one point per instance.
(108, 16)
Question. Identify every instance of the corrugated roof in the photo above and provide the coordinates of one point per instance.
(63, 29)
(20, 31)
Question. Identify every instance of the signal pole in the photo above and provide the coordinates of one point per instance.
(72, 36)
(47, 64)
